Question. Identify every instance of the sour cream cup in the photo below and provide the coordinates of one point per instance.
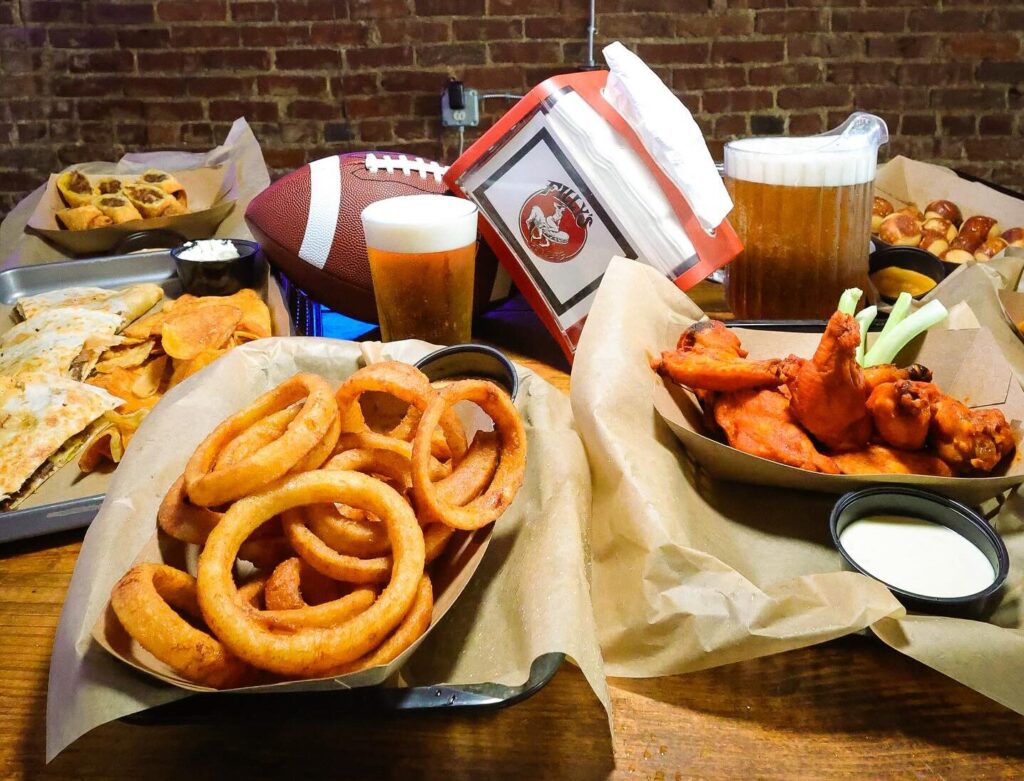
(932, 508)
(216, 277)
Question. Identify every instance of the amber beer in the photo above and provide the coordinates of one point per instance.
(422, 254)
(804, 217)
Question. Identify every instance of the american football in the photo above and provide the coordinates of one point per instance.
(308, 223)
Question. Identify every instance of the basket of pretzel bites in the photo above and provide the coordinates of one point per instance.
(942, 230)
(319, 517)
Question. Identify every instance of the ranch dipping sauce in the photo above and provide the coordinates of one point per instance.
(918, 556)
(210, 249)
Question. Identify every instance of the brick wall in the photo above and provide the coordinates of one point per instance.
(91, 80)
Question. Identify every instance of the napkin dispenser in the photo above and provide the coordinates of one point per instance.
(589, 166)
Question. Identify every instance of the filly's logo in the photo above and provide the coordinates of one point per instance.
(553, 222)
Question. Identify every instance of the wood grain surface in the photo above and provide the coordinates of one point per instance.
(847, 709)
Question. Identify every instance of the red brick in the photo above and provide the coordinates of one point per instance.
(449, 7)
(544, 27)
(636, 6)
(356, 83)
(747, 51)
(50, 11)
(792, 21)
(82, 37)
(959, 126)
(118, 108)
(871, 72)
(342, 33)
(304, 86)
(1001, 71)
(917, 124)
(307, 59)
(22, 61)
(235, 59)
(451, 54)
(377, 130)
(972, 98)
(413, 128)
(487, 29)
(192, 10)
(22, 37)
(870, 21)
(287, 159)
(996, 125)
(812, 97)
(935, 73)
(219, 86)
(112, 61)
(731, 23)
(722, 101)
(526, 51)
(379, 9)
(379, 57)
(207, 37)
(132, 135)
(830, 47)
(805, 124)
(712, 77)
(799, 73)
(198, 135)
(504, 78)
(63, 86)
(416, 81)
(985, 46)
(253, 12)
(946, 20)
(174, 111)
(994, 148)
(252, 110)
(617, 26)
(174, 61)
(673, 53)
(879, 97)
(138, 38)
(271, 36)
(313, 109)
(905, 47)
(120, 13)
(412, 31)
(379, 106)
(731, 125)
(311, 10)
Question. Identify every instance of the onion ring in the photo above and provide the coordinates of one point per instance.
(309, 652)
(143, 600)
(415, 623)
(508, 477)
(294, 585)
(371, 440)
(259, 434)
(265, 552)
(181, 519)
(409, 384)
(351, 569)
(209, 487)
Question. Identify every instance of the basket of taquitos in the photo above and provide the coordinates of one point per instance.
(318, 533)
(965, 365)
(86, 213)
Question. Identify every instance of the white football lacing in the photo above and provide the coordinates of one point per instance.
(405, 165)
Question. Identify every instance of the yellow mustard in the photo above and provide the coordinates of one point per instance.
(893, 280)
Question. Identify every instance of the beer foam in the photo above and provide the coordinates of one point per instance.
(420, 223)
(812, 161)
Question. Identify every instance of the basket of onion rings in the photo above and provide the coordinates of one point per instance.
(319, 532)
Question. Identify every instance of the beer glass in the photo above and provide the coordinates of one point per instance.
(802, 208)
(422, 253)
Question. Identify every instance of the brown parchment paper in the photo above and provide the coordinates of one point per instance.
(240, 154)
(529, 597)
(691, 572)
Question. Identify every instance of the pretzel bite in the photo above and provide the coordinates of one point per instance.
(956, 255)
(974, 232)
(941, 226)
(990, 249)
(911, 210)
(900, 229)
(947, 210)
(934, 242)
(880, 209)
(1014, 237)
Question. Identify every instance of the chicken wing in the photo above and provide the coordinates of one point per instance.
(759, 422)
(709, 357)
(883, 460)
(828, 391)
(888, 372)
(969, 440)
(902, 412)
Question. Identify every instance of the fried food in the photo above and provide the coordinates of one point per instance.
(80, 218)
(971, 441)
(294, 584)
(75, 188)
(887, 372)
(884, 460)
(761, 422)
(708, 356)
(902, 413)
(209, 486)
(828, 391)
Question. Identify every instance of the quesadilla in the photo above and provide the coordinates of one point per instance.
(55, 340)
(44, 420)
(128, 304)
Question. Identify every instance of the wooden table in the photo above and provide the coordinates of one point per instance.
(850, 708)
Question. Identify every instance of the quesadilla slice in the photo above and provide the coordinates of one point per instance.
(53, 340)
(128, 304)
(44, 420)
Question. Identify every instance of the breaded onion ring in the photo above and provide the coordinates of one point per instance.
(371, 440)
(415, 623)
(209, 487)
(265, 431)
(511, 464)
(181, 519)
(409, 384)
(143, 600)
(313, 651)
(294, 585)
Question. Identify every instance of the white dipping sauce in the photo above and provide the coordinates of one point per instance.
(212, 249)
(917, 556)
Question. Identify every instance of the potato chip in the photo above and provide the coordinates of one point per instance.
(255, 313)
(148, 380)
(185, 369)
(189, 333)
(109, 443)
(124, 357)
(149, 326)
(119, 382)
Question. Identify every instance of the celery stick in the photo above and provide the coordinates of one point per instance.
(865, 317)
(848, 300)
(887, 345)
(899, 311)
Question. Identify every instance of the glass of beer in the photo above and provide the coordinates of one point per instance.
(422, 252)
(802, 208)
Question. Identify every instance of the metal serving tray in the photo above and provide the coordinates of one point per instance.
(110, 271)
